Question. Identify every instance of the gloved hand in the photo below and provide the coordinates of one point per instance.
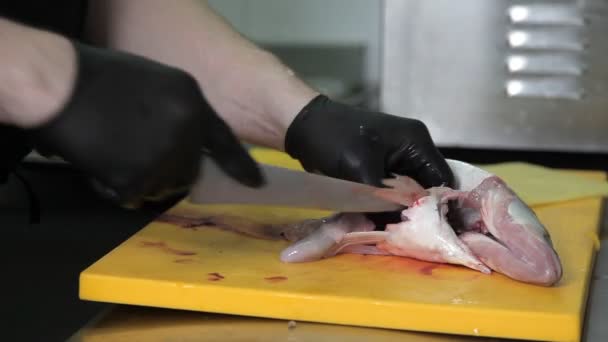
(140, 128)
(341, 141)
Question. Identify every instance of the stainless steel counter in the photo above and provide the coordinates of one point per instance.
(596, 328)
(127, 323)
(499, 74)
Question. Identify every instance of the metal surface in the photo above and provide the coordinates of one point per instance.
(595, 328)
(285, 187)
(499, 74)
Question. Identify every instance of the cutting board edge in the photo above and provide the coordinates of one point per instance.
(96, 287)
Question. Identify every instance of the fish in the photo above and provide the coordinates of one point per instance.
(480, 223)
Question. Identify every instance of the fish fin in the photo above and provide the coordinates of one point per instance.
(363, 249)
(356, 238)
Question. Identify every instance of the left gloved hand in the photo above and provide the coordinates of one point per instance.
(350, 143)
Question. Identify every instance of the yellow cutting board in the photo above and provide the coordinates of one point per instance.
(207, 269)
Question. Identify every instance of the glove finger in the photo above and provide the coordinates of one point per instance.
(181, 175)
(363, 161)
(365, 164)
(175, 178)
(174, 182)
(223, 147)
(168, 179)
(424, 163)
(436, 171)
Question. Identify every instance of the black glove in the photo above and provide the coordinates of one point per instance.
(140, 128)
(358, 145)
(345, 142)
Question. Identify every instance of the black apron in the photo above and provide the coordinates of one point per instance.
(66, 17)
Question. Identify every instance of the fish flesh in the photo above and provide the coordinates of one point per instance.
(481, 223)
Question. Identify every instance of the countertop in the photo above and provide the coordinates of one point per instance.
(77, 228)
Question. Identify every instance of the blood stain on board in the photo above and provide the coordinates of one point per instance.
(183, 261)
(428, 269)
(185, 222)
(179, 252)
(214, 276)
(152, 244)
(275, 279)
(421, 267)
(392, 264)
(163, 246)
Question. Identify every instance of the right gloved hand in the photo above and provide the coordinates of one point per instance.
(365, 146)
(139, 128)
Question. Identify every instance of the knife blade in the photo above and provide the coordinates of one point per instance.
(286, 187)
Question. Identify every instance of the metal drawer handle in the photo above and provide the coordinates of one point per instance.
(554, 13)
(554, 87)
(560, 38)
(545, 63)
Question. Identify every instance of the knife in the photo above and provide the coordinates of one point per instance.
(286, 187)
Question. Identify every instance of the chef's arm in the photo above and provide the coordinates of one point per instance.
(37, 69)
(263, 101)
(251, 89)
